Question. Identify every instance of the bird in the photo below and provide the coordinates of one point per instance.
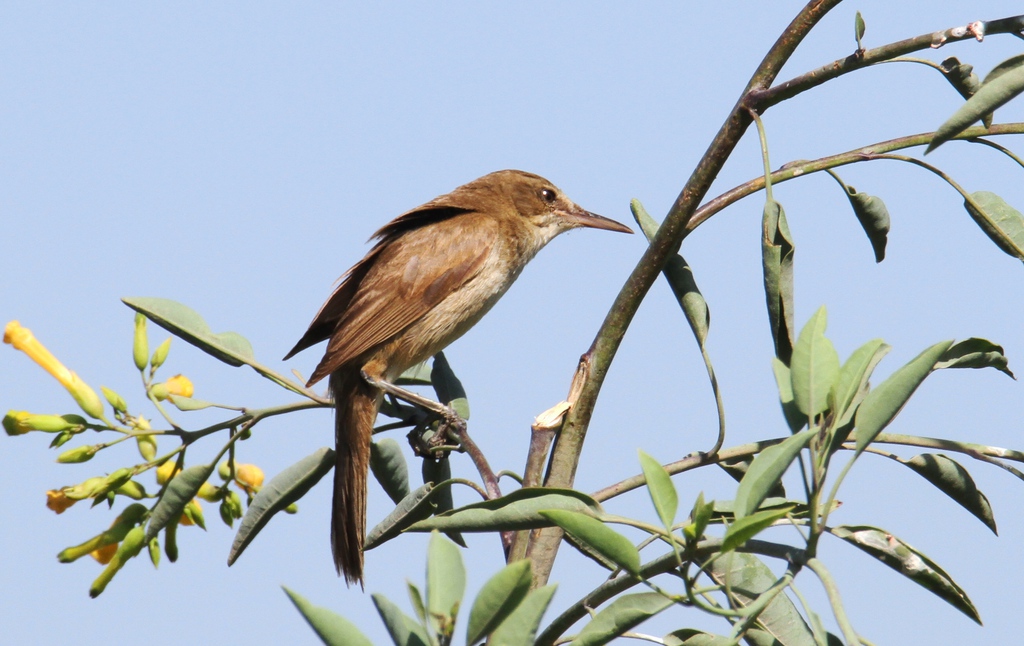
(432, 273)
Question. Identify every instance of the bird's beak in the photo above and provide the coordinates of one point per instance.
(581, 218)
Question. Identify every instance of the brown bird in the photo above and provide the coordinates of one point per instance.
(434, 271)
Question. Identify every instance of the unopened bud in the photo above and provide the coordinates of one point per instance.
(147, 446)
(86, 489)
(193, 514)
(16, 422)
(140, 347)
(160, 354)
(132, 489)
(209, 493)
(154, 552)
(224, 470)
(115, 400)
(292, 508)
(77, 454)
(118, 478)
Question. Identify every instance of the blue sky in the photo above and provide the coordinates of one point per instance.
(237, 157)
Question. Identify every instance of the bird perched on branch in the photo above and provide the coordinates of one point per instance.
(433, 272)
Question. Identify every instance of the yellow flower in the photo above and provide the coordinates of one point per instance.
(166, 471)
(105, 553)
(21, 338)
(179, 385)
(176, 386)
(58, 501)
(16, 422)
(188, 515)
(249, 477)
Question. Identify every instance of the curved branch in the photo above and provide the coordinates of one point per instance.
(565, 456)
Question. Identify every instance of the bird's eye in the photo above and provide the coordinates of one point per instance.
(547, 195)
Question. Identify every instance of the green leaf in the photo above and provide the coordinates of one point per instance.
(680, 279)
(961, 76)
(416, 597)
(766, 470)
(598, 536)
(182, 488)
(388, 466)
(885, 401)
(858, 29)
(446, 583)
(748, 577)
(416, 506)
(993, 93)
(418, 375)
(814, 368)
(515, 511)
(520, 628)
(784, 380)
(854, 376)
(954, 480)
(747, 527)
(499, 597)
(975, 353)
(187, 403)
(438, 471)
(737, 468)
(402, 628)
(283, 489)
(874, 219)
(777, 264)
(660, 487)
(331, 628)
(694, 637)
(184, 322)
(700, 516)
(448, 387)
(1003, 224)
(909, 562)
(622, 614)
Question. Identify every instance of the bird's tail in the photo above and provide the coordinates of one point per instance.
(355, 409)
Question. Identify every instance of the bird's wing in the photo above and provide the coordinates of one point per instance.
(402, 279)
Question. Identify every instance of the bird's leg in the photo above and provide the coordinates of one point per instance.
(451, 423)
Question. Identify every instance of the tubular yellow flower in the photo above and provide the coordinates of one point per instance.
(58, 501)
(21, 338)
(249, 477)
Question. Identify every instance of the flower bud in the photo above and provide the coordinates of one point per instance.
(224, 470)
(118, 478)
(140, 346)
(115, 400)
(132, 489)
(129, 548)
(209, 493)
(124, 522)
(193, 514)
(154, 552)
(160, 354)
(292, 508)
(147, 446)
(77, 454)
(16, 422)
(87, 489)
